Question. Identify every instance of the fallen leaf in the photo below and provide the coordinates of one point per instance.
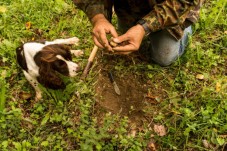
(25, 95)
(152, 99)
(132, 133)
(218, 87)
(200, 76)
(28, 25)
(160, 130)
(223, 136)
(3, 9)
(205, 143)
(225, 32)
(151, 146)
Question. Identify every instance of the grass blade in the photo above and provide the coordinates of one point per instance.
(2, 96)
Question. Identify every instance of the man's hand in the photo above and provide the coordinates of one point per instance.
(133, 37)
(101, 27)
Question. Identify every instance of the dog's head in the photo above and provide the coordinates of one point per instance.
(53, 59)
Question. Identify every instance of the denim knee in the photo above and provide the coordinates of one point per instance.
(164, 61)
(165, 49)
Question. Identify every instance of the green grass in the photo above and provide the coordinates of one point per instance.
(193, 110)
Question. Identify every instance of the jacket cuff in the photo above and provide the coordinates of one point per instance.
(152, 22)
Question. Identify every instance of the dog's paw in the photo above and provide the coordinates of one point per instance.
(77, 53)
(38, 96)
(73, 41)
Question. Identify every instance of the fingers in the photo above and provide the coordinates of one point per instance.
(101, 40)
(129, 47)
(113, 32)
(105, 41)
(122, 52)
(97, 43)
(121, 39)
(102, 27)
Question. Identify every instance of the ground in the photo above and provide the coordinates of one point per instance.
(179, 107)
(131, 100)
(137, 92)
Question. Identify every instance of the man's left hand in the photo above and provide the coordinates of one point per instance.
(133, 37)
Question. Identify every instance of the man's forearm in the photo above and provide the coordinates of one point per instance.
(173, 12)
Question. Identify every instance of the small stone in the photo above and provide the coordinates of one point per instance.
(200, 76)
(160, 130)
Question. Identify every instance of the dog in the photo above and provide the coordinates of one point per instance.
(41, 62)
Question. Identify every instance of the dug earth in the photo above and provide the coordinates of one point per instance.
(134, 99)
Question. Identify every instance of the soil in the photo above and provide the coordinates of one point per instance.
(134, 89)
(131, 100)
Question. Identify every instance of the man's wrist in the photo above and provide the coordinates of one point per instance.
(140, 27)
(144, 24)
(97, 18)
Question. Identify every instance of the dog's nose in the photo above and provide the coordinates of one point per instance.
(76, 68)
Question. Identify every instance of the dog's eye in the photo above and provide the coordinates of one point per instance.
(60, 63)
(68, 58)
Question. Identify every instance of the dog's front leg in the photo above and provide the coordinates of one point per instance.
(35, 85)
(77, 53)
(68, 41)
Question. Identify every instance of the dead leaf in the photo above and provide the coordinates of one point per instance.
(25, 95)
(28, 25)
(218, 87)
(225, 32)
(200, 76)
(160, 130)
(151, 146)
(223, 136)
(152, 99)
(206, 144)
(3, 9)
(132, 133)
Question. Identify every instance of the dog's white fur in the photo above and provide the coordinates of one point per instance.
(33, 48)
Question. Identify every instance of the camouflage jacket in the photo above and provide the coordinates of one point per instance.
(173, 15)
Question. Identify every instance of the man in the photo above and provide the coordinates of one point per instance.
(165, 24)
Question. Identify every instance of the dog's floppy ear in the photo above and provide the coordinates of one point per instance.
(48, 76)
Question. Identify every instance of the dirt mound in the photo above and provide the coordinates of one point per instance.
(133, 87)
(131, 100)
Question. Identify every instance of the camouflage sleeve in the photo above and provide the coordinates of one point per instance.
(172, 13)
(90, 7)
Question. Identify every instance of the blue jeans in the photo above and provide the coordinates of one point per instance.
(164, 49)
(161, 46)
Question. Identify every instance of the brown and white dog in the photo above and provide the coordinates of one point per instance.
(41, 62)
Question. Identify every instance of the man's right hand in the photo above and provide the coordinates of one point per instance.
(101, 27)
